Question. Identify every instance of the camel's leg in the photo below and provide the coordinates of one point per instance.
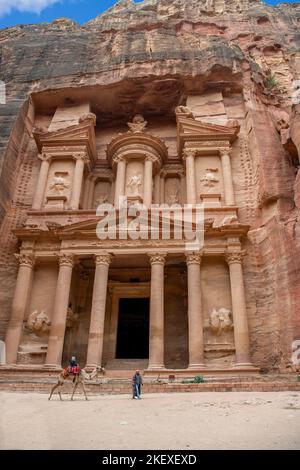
(82, 383)
(54, 388)
(59, 392)
(74, 389)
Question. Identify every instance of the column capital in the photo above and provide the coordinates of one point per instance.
(119, 158)
(224, 151)
(234, 257)
(157, 258)
(189, 153)
(45, 157)
(26, 259)
(150, 158)
(103, 259)
(66, 259)
(80, 156)
(193, 258)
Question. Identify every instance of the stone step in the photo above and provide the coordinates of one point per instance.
(127, 364)
(119, 387)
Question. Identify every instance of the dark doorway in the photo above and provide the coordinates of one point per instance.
(133, 329)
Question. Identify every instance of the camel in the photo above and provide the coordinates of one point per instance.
(77, 379)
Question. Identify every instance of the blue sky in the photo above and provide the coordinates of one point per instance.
(14, 12)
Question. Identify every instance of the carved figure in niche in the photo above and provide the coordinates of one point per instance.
(172, 193)
(138, 124)
(184, 110)
(101, 199)
(210, 179)
(220, 321)
(59, 183)
(134, 184)
(38, 323)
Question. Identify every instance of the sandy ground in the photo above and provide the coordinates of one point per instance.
(240, 420)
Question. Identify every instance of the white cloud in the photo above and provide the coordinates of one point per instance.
(33, 6)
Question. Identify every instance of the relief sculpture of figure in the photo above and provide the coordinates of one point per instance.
(59, 183)
(38, 323)
(220, 321)
(134, 184)
(210, 179)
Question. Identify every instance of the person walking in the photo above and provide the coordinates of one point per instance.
(137, 382)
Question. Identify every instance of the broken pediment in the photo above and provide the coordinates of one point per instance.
(189, 130)
(81, 134)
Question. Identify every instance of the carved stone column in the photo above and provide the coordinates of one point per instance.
(96, 334)
(156, 343)
(87, 191)
(148, 172)
(120, 179)
(20, 301)
(239, 312)
(157, 188)
(162, 186)
(42, 182)
(182, 187)
(61, 302)
(80, 158)
(227, 177)
(191, 193)
(195, 317)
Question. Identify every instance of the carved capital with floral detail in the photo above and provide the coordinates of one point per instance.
(189, 153)
(234, 257)
(104, 259)
(26, 259)
(193, 258)
(151, 158)
(66, 259)
(118, 159)
(80, 156)
(44, 157)
(157, 258)
(224, 151)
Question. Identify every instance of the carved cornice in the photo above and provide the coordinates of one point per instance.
(103, 259)
(234, 257)
(193, 258)
(157, 258)
(66, 259)
(26, 259)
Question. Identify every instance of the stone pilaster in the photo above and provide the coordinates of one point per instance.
(195, 316)
(120, 179)
(61, 302)
(191, 192)
(20, 301)
(156, 343)
(81, 159)
(96, 333)
(227, 177)
(39, 195)
(148, 172)
(239, 312)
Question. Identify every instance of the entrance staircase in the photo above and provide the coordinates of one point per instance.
(124, 368)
